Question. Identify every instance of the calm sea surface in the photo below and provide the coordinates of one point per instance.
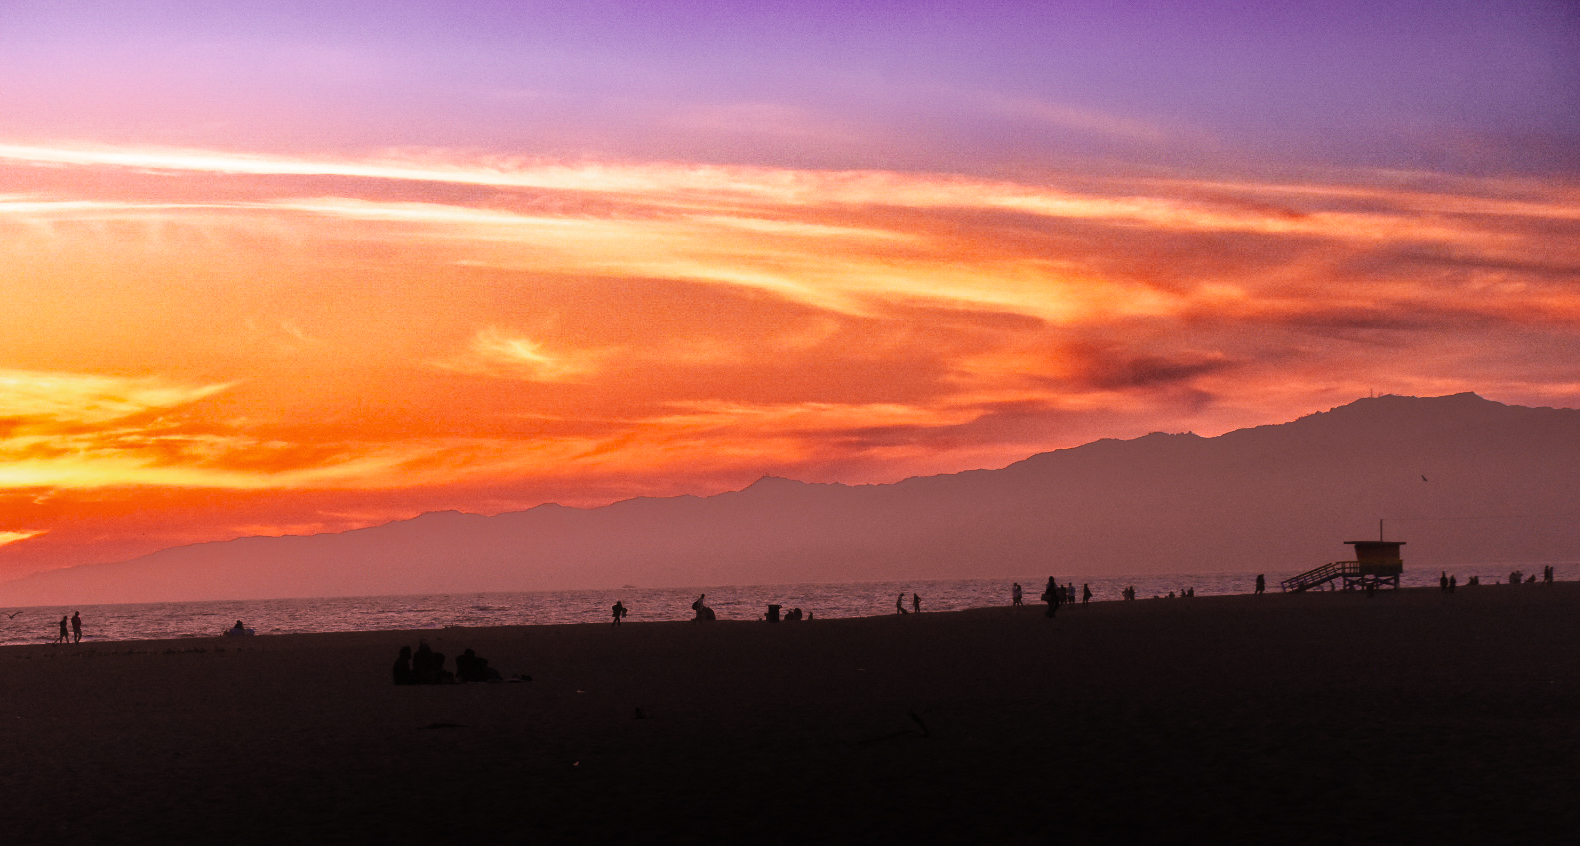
(160, 620)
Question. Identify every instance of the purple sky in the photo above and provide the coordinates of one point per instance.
(1459, 86)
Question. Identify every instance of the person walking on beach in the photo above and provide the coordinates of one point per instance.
(1261, 583)
(62, 637)
(899, 603)
(916, 603)
(1050, 595)
(76, 626)
(1014, 594)
(1086, 593)
(619, 612)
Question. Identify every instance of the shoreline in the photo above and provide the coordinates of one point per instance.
(1299, 716)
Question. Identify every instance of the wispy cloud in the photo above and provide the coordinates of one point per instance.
(32, 398)
(497, 353)
(428, 321)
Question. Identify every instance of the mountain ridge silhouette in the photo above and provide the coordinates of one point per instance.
(1461, 479)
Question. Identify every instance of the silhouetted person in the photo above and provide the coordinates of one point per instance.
(703, 611)
(427, 666)
(1261, 583)
(1453, 582)
(238, 628)
(619, 612)
(773, 613)
(76, 626)
(1086, 593)
(916, 603)
(1014, 595)
(1050, 595)
(471, 667)
(899, 603)
(403, 666)
(63, 638)
(1442, 582)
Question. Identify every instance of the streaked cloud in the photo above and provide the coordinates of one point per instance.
(13, 537)
(428, 329)
(34, 398)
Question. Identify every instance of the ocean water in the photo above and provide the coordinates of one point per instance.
(165, 620)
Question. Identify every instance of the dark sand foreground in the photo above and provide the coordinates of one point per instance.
(1406, 717)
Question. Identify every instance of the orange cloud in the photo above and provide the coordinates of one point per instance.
(423, 330)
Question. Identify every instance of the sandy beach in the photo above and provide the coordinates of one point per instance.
(1409, 716)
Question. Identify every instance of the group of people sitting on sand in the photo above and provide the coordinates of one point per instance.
(791, 616)
(1518, 577)
(426, 666)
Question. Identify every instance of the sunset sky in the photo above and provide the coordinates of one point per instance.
(291, 267)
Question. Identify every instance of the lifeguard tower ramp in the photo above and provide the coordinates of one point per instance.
(1377, 564)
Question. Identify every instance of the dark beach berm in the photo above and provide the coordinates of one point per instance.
(1409, 716)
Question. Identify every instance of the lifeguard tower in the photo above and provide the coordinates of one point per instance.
(1377, 564)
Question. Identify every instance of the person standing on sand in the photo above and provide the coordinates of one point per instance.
(76, 626)
(619, 612)
(916, 603)
(1086, 593)
(1014, 594)
(62, 637)
(899, 603)
(1261, 583)
(1050, 595)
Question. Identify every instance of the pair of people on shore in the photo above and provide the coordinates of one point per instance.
(75, 623)
(899, 603)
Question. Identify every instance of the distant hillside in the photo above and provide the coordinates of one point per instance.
(1461, 479)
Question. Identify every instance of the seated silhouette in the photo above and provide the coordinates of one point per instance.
(471, 667)
(703, 611)
(427, 666)
(403, 667)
